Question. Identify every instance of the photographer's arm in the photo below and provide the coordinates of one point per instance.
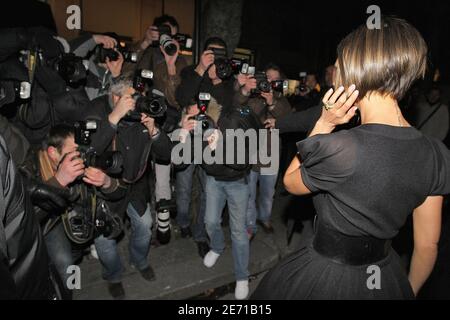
(189, 86)
(83, 45)
(280, 108)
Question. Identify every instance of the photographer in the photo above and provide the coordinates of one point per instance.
(166, 69)
(152, 56)
(267, 105)
(138, 141)
(185, 176)
(56, 96)
(307, 94)
(58, 164)
(102, 74)
(224, 183)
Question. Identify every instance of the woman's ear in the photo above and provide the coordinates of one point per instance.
(53, 154)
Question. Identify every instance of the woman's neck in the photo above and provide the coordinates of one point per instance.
(378, 109)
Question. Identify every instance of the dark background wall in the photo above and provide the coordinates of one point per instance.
(303, 35)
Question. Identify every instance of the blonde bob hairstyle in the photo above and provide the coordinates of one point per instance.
(386, 61)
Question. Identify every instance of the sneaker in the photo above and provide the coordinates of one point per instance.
(116, 290)
(186, 232)
(241, 292)
(94, 253)
(210, 259)
(203, 249)
(148, 274)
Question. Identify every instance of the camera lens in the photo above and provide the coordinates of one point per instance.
(167, 43)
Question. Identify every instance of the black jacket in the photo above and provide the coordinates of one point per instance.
(221, 110)
(303, 121)
(24, 271)
(137, 148)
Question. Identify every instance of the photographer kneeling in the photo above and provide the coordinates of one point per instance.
(134, 134)
(58, 164)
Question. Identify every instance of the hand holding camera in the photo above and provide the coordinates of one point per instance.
(206, 60)
(149, 123)
(115, 66)
(97, 178)
(189, 123)
(70, 168)
(106, 41)
(171, 59)
(125, 105)
(268, 96)
(250, 85)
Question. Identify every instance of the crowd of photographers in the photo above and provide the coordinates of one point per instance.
(87, 133)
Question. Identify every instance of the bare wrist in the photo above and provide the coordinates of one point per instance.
(61, 180)
(200, 70)
(171, 69)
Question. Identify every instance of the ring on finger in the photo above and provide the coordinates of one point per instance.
(328, 106)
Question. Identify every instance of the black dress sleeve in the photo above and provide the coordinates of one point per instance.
(441, 174)
(327, 160)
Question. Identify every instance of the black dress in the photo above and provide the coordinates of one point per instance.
(366, 181)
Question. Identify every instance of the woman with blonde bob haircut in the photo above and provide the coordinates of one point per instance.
(366, 181)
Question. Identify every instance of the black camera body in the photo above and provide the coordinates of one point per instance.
(185, 41)
(71, 68)
(154, 106)
(224, 66)
(109, 162)
(113, 54)
(263, 85)
(166, 40)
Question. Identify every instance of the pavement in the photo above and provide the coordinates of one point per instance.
(180, 273)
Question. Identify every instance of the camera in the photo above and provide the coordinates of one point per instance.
(154, 105)
(71, 68)
(264, 85)
(11, 91)
(224, 66)
(185, 41)
(302, 87)
(141, 78)
(113, 54)
(109, 162)
(166, 40)
(163, 232)
(202, 118)
(14, 82)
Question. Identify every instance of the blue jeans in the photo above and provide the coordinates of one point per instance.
(265, 200)
(236, 193)
(139, 246)
(60, 251)
(184, 190)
